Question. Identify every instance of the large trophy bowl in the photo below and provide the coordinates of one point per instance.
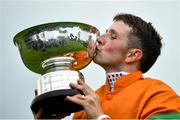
(57, 51)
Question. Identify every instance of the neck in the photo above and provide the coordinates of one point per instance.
(127, 69)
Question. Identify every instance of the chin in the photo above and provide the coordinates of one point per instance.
(95, 60)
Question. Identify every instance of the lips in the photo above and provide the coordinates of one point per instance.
(97, 50)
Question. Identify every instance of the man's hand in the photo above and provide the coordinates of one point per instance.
(89, 101)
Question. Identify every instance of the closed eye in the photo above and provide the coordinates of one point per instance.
(112, 33)
(113, 36)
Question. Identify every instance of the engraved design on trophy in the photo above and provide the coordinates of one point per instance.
(57, 51)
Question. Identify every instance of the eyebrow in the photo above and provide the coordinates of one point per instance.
(112, 31)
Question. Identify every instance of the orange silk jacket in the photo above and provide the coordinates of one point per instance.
(135, 97)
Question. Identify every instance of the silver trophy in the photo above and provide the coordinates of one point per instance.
(57, 51)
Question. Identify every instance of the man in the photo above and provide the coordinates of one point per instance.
(128, 49)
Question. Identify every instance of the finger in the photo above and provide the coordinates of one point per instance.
(75, 86)
(80, 82)
(85, 89)
(80, 87)
(76, 99)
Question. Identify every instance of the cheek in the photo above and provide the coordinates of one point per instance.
(110, 48)
(113, 48)
(116, 51)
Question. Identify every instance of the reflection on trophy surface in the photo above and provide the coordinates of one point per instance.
(57, 51)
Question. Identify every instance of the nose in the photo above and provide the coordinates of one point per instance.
(100, 40)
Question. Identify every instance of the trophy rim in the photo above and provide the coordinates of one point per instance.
(47, 24)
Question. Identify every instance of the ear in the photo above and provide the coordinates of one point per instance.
(133, 55)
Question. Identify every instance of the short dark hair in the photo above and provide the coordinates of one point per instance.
(143, 36)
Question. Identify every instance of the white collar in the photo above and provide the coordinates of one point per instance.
(112, 77)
